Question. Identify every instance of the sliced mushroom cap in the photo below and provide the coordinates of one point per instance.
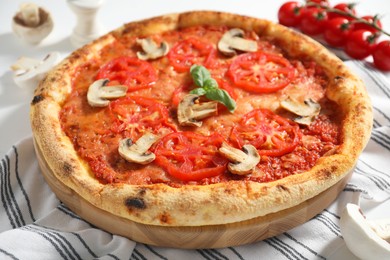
(151, 50)
(138, 152)
(189, 110)
(233, 40)
(28, 72)
(360, 237)
(99, 94)
(242, 162)
(306, 110)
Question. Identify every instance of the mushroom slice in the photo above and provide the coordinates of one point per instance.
(305, 111)
(190, 110)
(233, 40)
(151, 50)
(99, 94)
(138, 152)
(242, 162)
(28, 71)
(362, 236)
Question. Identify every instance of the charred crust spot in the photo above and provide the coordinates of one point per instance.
(282, 187)
(142, 192)
(327, 173)
(36, 99)
(137, 203)
(67, 167)
(164, 218)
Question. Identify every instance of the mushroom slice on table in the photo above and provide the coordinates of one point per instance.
(242, 162)
(366, 239)
(28, 71)
(138, 152)
(306, 110)
(233, 40)
(190, 110)
(99, 94)
(151, 50)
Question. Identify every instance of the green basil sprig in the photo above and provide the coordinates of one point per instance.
(209, 87)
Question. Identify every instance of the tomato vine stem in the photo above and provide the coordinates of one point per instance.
(356, 18)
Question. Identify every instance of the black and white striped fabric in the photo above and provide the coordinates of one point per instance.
(35, 225)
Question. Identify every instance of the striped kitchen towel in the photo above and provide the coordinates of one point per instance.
(34, 224)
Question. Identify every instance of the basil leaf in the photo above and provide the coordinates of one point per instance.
(223, 97)
(209, 87)
(198, 91)
(199, 74)
(210, 84)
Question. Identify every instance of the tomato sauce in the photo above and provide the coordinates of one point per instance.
(189, 155)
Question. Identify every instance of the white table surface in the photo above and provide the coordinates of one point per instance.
(15, 102)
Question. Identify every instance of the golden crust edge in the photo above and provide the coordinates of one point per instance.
(216, 204)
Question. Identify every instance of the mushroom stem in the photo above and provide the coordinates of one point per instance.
(381, 227)
(29, 13)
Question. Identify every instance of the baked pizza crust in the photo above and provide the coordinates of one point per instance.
(198, 205)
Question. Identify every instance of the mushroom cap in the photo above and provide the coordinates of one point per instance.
(242, 162)
(28, 72)
(138, 152)
(151, 50)
(99, 94)
(188, 112)
(30, 31)
(360, 238)
(233, 40)
(306, 110)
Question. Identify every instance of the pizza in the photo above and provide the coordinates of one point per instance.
(200, 118)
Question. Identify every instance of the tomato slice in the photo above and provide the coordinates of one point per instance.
(261, 72)
(189, 156)
(129, 71)
(133, 115)
(192, 51)
(270, 133)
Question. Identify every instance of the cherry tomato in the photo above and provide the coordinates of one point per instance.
(134, 115)
(347, 8)
(381, 55)
(289, 14)
(129, 71)
(360, 44)
(320, 2)
(370, 19)
(192, 51)
(270, 133)
(313, 21)
(337, 31)
(261, 72)
(189, 156)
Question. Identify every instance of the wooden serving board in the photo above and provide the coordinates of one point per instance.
(214, 236)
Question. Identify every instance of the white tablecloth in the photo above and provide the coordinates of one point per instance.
(35, 225)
